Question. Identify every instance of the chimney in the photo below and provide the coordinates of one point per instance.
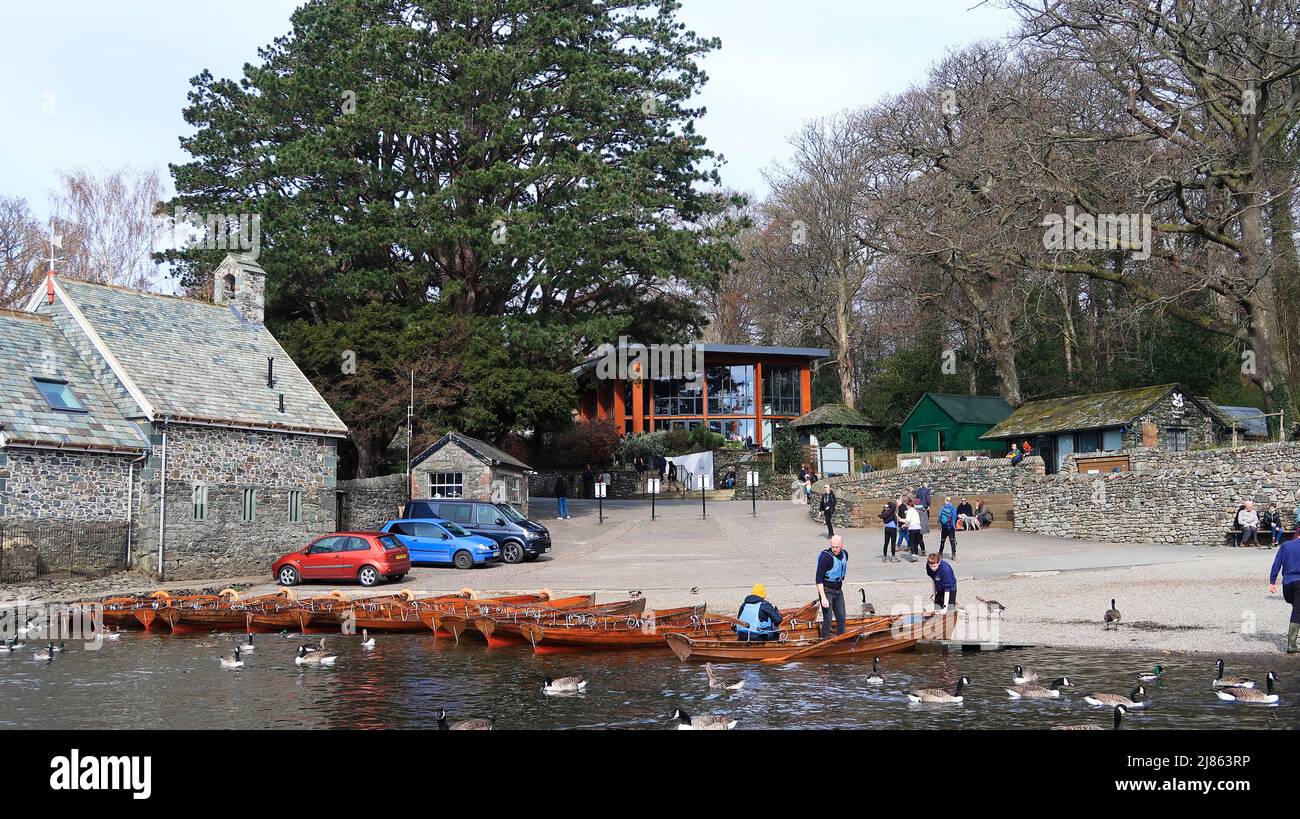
(270, 371)
(241, 283)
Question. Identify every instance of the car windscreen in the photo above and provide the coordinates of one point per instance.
(511, 513)
(455, 530)
(390, 543)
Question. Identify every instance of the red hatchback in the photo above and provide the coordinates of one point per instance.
(362, 556)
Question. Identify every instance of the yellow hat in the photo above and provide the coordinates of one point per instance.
(759, 589)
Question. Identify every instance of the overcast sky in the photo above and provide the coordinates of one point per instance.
(102, 84)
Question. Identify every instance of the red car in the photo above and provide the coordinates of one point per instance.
(363, 556)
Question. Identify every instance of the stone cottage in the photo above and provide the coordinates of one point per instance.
(185, 417)
(457, 466)
(1164, 417)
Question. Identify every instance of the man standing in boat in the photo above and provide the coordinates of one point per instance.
(832, 565)
(762, 617)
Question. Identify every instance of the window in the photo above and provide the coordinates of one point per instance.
(199, 498)
(57, 395)
(461, 513)
(446, 485)
(295, 506)
(915, 442)
(487, 515)
(943, 440)
(248, 512)
(782, 391)
(731, 389)
(1085, 442)
(354, 544)
(1178, 440)
(326, 545)
(678, 397)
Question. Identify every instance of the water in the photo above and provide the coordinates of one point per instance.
(165, 681)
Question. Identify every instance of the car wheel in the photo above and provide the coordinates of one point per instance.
(512, 552)
(288, 576)
(367, 576)
(463, 560)
(395, 578)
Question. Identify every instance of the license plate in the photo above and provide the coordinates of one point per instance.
(400, 556)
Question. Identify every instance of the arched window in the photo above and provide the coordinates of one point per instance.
(228, 286)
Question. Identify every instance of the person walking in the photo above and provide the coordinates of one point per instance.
(923, 494)
(913, 519)
(889, 516)
(828, 509)
(562, 497)
(832, 565)
(945, 581)
(948, 526)
(1287, 563)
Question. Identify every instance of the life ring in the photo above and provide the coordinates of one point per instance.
(228, 593)
(468, 593)
(288, 594)
(407, 595)
(338, 595)
(161, 595)
(546, 594)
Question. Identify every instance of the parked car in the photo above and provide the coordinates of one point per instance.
(364, 556)
(520, 539)
(431, 540)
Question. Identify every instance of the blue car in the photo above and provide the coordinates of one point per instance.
(433, 540)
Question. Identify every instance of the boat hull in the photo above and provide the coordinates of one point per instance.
(875, 636)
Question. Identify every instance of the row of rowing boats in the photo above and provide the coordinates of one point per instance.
(541, 620)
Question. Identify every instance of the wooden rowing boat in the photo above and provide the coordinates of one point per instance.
(229, 612)
(574, 632)
(503, 627)
(397, 615)
(864, 636)
(452, 618)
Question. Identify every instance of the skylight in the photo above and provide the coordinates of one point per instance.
(57, 395)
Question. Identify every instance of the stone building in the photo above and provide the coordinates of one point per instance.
(1164, 417)
(185, 417)
(457, 466)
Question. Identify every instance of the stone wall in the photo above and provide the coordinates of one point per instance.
(369, 503)
(1201, 428)
(228, 461)
(46, 484)
(542, 484)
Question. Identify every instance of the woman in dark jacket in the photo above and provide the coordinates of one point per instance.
(890, 518)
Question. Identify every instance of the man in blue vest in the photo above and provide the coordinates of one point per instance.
(948, 526)
(761, 616)
(832, 565)
(1287, 564)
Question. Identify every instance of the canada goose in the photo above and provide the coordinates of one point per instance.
(695, 589)
(1019, 676)
(248, 646)
(314, 658)
(1151, 676)
(867, 608)
(465, 724)
(634, 593)
(708, 722)
(309, 648)
(1221, 681)
(1111, 617)
(714, 682)
(992, 604)
(875, 678)
(564, 685)
(1037, 692)
(27, 628)
(1120, 711)
(10, 647)
(116, 634)
(1136, 699)
(232, 661)
(366, 640)
(938, 694)
(60, 648)
(1242, 694)
(47, 654)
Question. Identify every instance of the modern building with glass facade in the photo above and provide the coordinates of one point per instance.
(747, 393)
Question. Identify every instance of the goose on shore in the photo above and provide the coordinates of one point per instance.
(465, 724)
(1221, 681)
(232, 660)
(1019, 676)
(1151, 676)
(708, 722)
(564, 685)
(1135, 699)
(1120, 711)
(1242, 694)
(1037, 692)
(715, 682)
(366, 640)
(314, 657)
(868, 608)
(875, 678)
(1111, 617)
(938, 694)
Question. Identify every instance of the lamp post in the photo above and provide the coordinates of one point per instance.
(751, 478)
(601, 488)
(706, 482)
(653, 486)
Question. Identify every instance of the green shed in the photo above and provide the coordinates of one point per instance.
(946, 423)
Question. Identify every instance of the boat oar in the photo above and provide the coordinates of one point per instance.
(820, 644)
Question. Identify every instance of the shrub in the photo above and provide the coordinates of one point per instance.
(787, 453)
(590, 442)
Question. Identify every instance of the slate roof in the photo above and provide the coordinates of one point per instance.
(1097, 411)
(31, 346)
(1250, 419)
(972, 409)
(835, 415)
(485, 452)
(198, 361)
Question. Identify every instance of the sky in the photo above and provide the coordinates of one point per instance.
(85, 83)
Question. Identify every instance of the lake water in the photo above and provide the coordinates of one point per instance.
(165, 681)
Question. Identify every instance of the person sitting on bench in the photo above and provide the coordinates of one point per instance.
(1247, 524)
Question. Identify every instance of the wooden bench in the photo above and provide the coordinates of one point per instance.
(1263, 537)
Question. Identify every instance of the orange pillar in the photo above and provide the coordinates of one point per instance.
(638, 409)
(620, 408)
(758, 403)
(805, 390)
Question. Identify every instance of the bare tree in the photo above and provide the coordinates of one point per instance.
(108, 225)
(20, 251)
